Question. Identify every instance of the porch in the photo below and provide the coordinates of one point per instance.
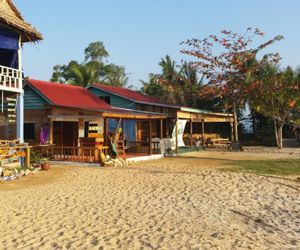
(203, 129)
(11, 104)
(84, 136)
(10, 79)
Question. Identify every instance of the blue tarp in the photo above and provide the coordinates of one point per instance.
(9, 45)
(129, 128)
(9, 39)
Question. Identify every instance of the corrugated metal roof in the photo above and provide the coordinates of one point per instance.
(133, 95)
(68, 95)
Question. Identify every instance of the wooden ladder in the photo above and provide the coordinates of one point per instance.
(121, 147)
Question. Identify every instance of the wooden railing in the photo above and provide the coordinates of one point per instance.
(10, 79)
(74, 154)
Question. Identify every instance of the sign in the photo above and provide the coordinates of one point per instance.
(11, 109)
(94, 129)
(181, 128)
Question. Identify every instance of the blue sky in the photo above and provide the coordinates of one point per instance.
(137, 33)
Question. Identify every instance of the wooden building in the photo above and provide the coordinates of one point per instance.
(196, 121)
(14, 32)
(71, 122)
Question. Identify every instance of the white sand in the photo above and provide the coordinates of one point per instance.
(174, 203)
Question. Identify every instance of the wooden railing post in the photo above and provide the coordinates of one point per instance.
(27, 159)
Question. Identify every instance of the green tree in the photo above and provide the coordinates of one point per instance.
(152, 87)
(176, 84)
(276, 95)
(92, 70)
(114, 75)
(95, 52)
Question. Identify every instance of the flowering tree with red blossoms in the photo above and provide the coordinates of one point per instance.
(227, 63)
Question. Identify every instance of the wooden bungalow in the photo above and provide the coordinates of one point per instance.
(186, 125)
(71, 123)
(14, 32)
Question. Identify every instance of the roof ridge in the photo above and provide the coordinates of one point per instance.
(61, 84)
(111, 89)
(111, 86)
(132, 90)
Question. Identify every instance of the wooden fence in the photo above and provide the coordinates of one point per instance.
(74, 154)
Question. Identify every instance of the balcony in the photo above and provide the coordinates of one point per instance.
(10, 79)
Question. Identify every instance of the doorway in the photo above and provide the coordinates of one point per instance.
(65, 134)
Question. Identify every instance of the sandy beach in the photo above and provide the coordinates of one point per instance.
(173, 203)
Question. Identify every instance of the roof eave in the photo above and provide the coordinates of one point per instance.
(38, 92)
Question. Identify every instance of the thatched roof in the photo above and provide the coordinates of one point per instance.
(10, 16)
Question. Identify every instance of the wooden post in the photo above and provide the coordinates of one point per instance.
(176, 134)
(161, 129)
(191, 132)
(62, 133)
(235, 124)
(203, 133)
(105, 132)
(20, 98)
(150, 138)
(96, 155)
(51, 131)
(232, 131)
(27, 160)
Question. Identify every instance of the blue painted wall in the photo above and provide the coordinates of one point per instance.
(115, 101)
(33, 100)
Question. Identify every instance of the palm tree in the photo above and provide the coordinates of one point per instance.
(84, 74)
(168, 67)
(175, 84)
(152, 88)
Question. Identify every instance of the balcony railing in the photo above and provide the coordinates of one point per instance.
(10, 79)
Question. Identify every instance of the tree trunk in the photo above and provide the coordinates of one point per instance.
(278, 134)
(235, 123)
(253, 124)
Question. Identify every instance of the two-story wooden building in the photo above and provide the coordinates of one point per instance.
(14, 32)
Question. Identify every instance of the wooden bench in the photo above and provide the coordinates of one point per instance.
(218, 143)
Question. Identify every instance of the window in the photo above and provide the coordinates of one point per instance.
(105, 98)
(29, 131)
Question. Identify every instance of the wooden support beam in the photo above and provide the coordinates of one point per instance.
(133, 116)
(203, 133)
(105, 132)
(27, 158)
(150, 138)
(176, 135)
(232, 132)
(51, 131)
(161, 129)
(166, 128)
(62, 133)
(191, 132)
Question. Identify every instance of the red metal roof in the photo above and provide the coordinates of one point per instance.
(68, 95)
(132, 95)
